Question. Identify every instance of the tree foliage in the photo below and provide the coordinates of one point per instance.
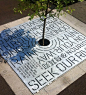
(43, 7)
(39, 6)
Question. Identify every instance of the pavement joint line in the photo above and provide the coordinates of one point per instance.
(80, 67)
(81, 73)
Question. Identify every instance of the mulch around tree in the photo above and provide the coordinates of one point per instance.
(80, 11)
(6, 11)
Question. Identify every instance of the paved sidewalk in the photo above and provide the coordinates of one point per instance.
(59, 84)
(76, 88)
(6, 11)
(4, 87)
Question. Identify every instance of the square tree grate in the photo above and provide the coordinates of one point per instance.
(36, 65)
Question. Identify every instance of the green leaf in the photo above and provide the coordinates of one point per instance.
(41, 5)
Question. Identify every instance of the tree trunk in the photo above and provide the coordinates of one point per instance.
(44, 30)
(46, 12)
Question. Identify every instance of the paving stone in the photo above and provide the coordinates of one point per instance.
(14, 81)
(73, 74)
(1, 28)
(57, 86)
(1, 68)
(75, 23)
(14, 23)
(4, 26)
(23, 92)
(25, 19)
(83, 65)
(42, 92)
(65, 80)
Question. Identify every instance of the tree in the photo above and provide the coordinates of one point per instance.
(42, 8)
